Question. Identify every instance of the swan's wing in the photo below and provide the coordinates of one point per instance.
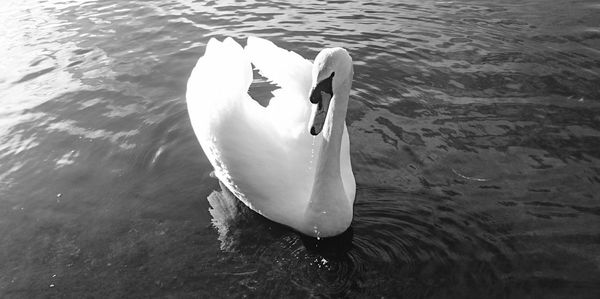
(289, 109)
(220, 76)
(238, 137)
(285, 68)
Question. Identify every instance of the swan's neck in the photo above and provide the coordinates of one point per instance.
(329, 211)
(328, 165)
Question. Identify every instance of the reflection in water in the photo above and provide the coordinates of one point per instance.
(235, 223)
(474, 129)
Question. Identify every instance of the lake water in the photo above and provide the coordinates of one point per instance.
(475, 142)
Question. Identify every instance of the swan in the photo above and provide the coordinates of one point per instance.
(288, 161)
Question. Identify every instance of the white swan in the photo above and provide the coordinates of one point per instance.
(266, 156)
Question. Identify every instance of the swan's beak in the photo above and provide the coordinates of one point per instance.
(319, 113)
(320, 96)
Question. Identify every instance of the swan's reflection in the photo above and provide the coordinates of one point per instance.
(235, 223)
(240, 227)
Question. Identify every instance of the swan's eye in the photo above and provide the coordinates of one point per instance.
(323, 86)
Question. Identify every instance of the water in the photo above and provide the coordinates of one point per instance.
(475, 135)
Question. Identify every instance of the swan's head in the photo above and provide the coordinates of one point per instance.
(332, 75)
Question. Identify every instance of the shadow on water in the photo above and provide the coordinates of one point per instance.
(331, 246)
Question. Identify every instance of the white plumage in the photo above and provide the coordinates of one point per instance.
(266, 155)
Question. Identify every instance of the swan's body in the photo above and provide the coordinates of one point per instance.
(266, 156)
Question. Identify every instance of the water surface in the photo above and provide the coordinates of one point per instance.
(475, 142)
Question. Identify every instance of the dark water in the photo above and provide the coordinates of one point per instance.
(475, 135)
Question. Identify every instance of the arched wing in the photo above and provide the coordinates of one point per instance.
(285, 68)
(289, 109)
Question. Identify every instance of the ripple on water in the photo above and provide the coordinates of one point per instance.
(417, 240)
(474, 130)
